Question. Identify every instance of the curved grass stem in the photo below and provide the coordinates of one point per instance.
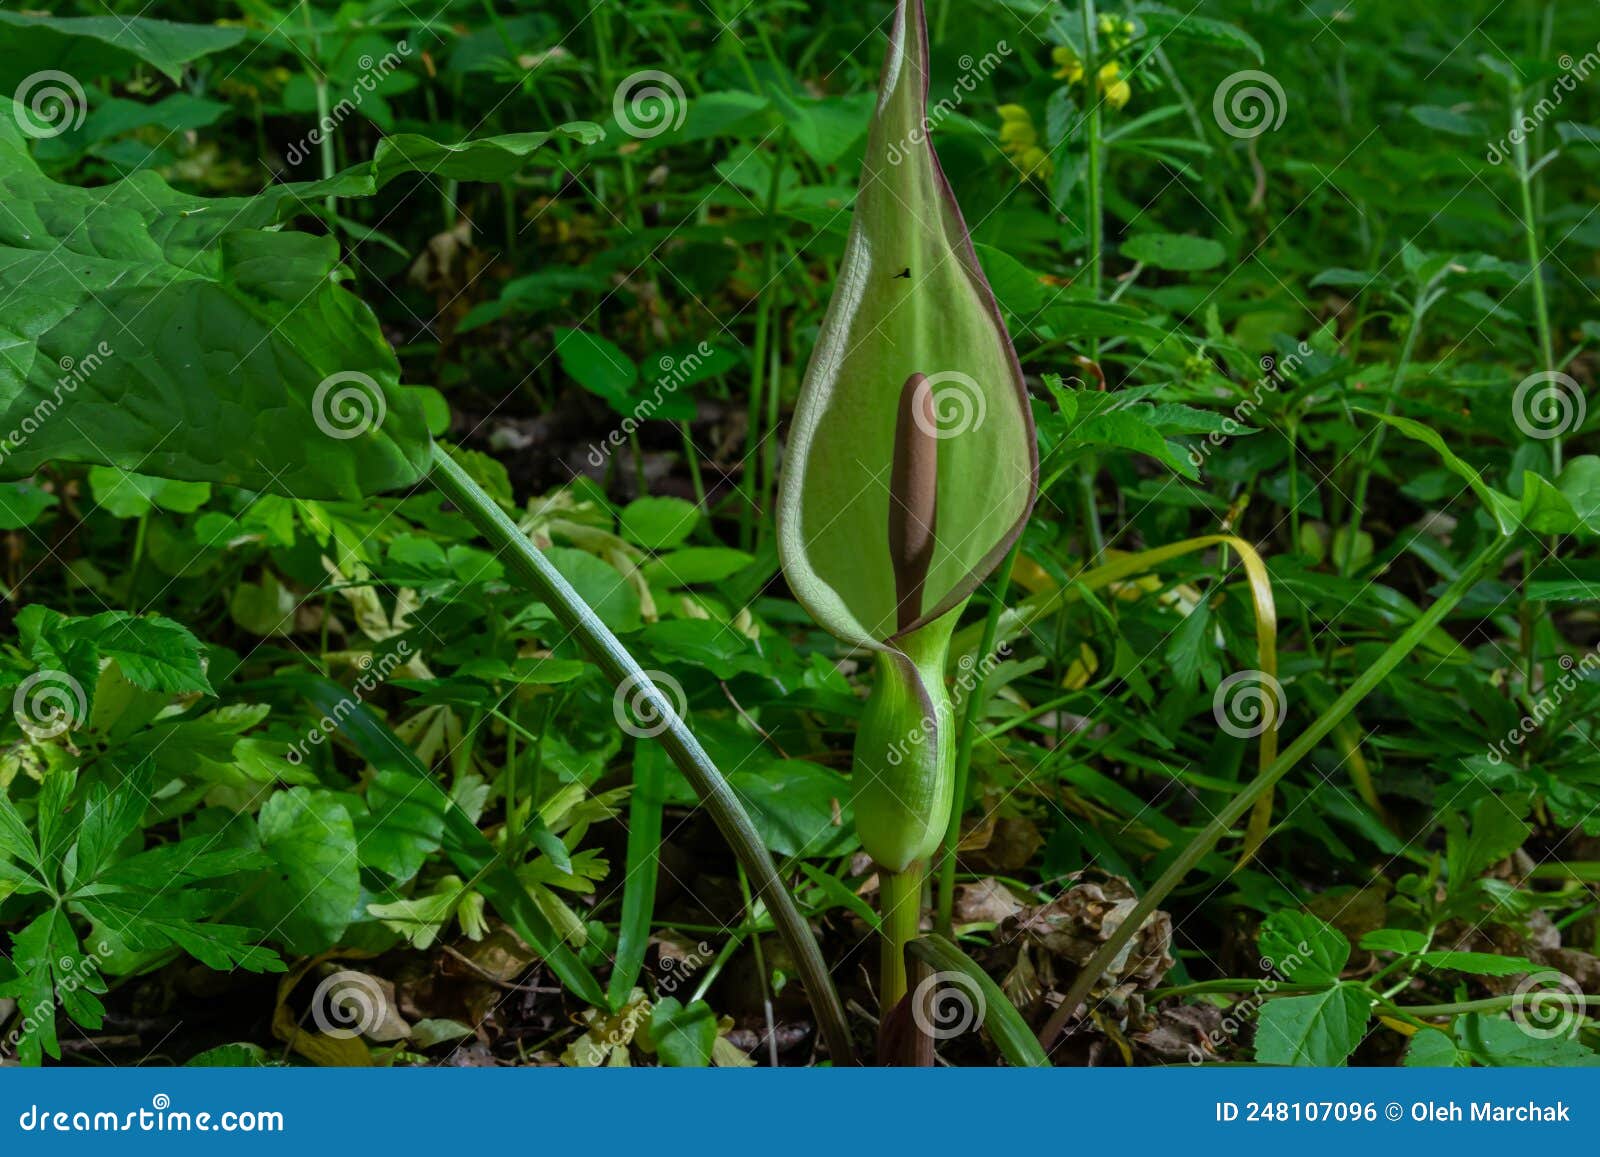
(535, 571)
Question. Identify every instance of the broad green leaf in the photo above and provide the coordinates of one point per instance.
(1303, 947)
(599, 366)
(800, 808)
(683, 1036)
(87, 47)
(1322, 1029)
(313, 888)
(659, 523)
(910, 300)
(190, 338)
(21, 504)
(125, 494)
(1174, 251)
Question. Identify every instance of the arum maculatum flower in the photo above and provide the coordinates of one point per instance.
(911, 466)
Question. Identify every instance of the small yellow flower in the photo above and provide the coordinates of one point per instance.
(1020, 140)
(1117, 91)
(1068, 67)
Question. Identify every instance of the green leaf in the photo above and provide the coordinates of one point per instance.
(314, 886)
(21, 504)
(1403, 941)
(659, 523)
(1303, 947)
(1161, 21)
(683, 1036)
(249, 365)
(1322, 1029)
(1174, 251)
(800, 808)
(911, 299)
(696, 564)
(1446, 120)
(1478, 963)
(91, 46)
(599, 366)
(466, 846)
(153, 653)
(127, 495)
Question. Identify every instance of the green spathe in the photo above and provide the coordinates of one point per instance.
(911, 466)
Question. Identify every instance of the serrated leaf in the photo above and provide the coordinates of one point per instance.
(1322, 1029)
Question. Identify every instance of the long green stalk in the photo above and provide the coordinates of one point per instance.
(1483, 565)
(900, 902)
(536, 572)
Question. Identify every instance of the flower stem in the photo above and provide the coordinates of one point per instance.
(900, 902)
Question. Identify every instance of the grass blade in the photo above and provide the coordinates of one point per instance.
(644, 858)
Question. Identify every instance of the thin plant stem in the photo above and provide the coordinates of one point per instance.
(536, 572)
